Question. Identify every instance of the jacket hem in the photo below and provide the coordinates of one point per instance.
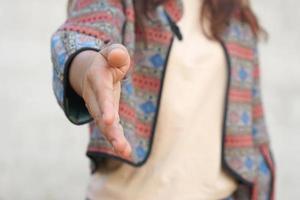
(224, 162)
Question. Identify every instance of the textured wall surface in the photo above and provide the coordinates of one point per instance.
(42, 154)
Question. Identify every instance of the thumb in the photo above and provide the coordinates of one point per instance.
(117, 56)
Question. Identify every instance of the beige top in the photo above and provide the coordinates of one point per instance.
(185, 163)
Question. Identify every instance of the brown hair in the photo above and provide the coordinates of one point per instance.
(219, 12)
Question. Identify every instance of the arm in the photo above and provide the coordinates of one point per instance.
(87, 83)
(260, 132)
(88, 27)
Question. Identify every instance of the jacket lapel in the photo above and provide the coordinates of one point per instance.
(174, 9)
(239, 154)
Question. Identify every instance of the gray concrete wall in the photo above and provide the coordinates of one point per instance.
(42, 154)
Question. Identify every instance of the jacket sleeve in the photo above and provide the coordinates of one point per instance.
(89, 26)
(260, 132)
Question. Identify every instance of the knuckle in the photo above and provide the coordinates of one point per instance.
(118, 45)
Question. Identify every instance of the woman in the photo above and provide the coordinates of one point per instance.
(175, 111)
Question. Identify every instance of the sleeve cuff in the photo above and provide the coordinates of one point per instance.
(74, 106)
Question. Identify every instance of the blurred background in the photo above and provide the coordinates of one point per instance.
(42, 156)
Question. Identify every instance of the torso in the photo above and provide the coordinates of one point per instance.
(185, 161)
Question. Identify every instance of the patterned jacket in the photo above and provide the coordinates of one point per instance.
(94, 23)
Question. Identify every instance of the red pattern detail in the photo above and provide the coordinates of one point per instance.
(147, 83)
(143, 129)
(239, 51)
(254, 195)
(115, 4)
(257, 111)
(256, 72)
(86, 30)
(155, 35)
(127, 112)
(236, 95)
(95, 17)
(173, 10)
(238, 140)
(266, 153)
(83, 3)
(129, 12)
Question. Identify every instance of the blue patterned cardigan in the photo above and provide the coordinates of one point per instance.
(92, 24)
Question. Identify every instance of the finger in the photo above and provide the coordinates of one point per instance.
(117, 91)
(111, 132)
(116, 137)
(102, 86)
(118, 58)
(126, 152)
(116, 55)
(91, 103)
(117, 94)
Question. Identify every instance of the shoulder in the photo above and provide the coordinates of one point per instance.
(240, 33)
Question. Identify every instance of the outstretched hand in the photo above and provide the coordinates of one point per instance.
(99, 84)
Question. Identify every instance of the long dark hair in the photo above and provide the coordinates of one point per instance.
(218, 12)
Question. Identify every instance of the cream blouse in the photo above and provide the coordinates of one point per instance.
(185, 162)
